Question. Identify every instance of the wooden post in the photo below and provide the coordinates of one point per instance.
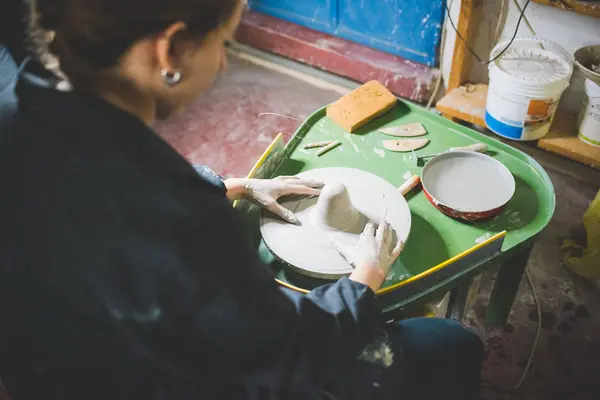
(461, 57)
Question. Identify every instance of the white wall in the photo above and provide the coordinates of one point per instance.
(568, 29)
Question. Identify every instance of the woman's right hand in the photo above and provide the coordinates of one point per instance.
(373, 256)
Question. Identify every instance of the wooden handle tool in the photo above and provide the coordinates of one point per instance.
(328, 147)
(314, 145)
(409, 185)
(477, 147)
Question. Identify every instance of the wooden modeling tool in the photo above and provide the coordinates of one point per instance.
(315, 145)
(409, 185)
(330, 146)
(477, 147)
(413, 159)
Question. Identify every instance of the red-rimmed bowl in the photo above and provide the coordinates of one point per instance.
(468, 186)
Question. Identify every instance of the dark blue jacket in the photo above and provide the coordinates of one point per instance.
(125, 275)
(14, 15)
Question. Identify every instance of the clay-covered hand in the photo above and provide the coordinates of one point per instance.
(267, 191)
(375, 248)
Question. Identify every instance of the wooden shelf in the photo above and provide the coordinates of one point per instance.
(562, 139)
(575, 6)
(467, 103)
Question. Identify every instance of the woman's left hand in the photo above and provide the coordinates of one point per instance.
(267, 191)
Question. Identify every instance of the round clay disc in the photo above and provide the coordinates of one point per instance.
(308, 248)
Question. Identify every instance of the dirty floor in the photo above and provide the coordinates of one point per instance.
(225, 130)
(567, 361)
(232, 125)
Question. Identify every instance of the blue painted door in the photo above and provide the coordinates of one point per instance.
(410, 29)
(316, 14)
(407, 28)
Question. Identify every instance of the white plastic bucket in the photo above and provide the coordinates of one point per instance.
(589, 115)
(526, 84)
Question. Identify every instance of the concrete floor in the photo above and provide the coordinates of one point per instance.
(567, 360)
(232, 125)
(224, 130)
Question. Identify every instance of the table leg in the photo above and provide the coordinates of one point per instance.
(458, 301)
(506, 287)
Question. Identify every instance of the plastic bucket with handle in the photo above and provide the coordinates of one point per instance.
(589, 115)
(526, 84)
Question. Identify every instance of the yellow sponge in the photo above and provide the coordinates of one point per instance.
(361, 106)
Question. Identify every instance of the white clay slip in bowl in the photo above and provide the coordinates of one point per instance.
(467, 185)
(350, 198)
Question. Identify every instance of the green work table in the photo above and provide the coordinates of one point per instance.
(447, 254)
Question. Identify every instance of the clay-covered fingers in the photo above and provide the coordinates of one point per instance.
(283, 212)
(302, 190)
(384, 232)
(369, 230)
(310, 183)
(302, 182)
(397, 250)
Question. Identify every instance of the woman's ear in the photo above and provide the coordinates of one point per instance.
(165, 48)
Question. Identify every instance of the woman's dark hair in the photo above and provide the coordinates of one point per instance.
(98, 32)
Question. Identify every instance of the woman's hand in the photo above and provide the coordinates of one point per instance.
(266, 192)
(373, 256)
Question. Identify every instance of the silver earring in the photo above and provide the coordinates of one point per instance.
(171, 78)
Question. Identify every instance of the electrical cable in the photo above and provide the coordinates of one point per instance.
(538, 306)
(443, 41)
(436, 89)
(525, 18)
(438, 81)
(536, 341)
(538, 333)
(469, 46)
(499, 25)
(527, 274)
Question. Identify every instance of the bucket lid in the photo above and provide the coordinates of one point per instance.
(534, 65)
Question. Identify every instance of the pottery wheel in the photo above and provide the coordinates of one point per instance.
(307, 247)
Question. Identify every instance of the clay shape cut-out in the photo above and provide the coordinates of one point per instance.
(404, 145)
(408, 130)
(334, 210)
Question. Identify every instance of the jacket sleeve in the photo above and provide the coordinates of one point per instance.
(226, 319)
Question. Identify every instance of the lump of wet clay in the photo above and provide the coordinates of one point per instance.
(334, 210)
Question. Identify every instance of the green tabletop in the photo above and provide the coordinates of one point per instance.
(434, 237)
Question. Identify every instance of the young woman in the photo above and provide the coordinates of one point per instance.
(126, 275)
